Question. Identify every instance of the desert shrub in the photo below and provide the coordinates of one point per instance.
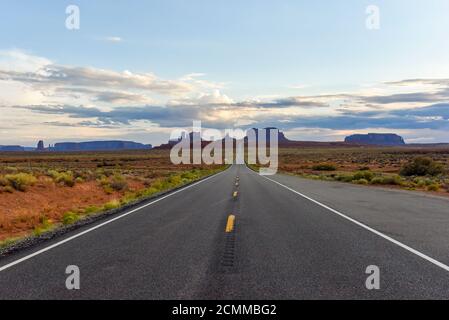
(344, 178)
(189, 176)
(175, 180)
(361, 181)
(44, 226)
(433, 187)
(118, 182)
(79, 180)
(422, 166)
(91, 210)
(64, 178)
(366, 175)
(103, 180)
(3, 182)
(377, 180)
(419, 182)
(70, 218)
(113, 204)
(158, 185)
(20, 181)
(387, 180)
(393, 180)
(10, 170)
(324, 167)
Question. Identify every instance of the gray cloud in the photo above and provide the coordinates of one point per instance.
(430, 117)
(104, 96)
(304, 102)
(406, 97)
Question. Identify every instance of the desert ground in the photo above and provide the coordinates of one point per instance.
(41, 191)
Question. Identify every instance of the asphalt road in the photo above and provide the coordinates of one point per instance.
(283, 246)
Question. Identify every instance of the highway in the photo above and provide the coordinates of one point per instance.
(289, 238)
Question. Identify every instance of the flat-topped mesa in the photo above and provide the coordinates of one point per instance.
(381, 139)
(99, 146)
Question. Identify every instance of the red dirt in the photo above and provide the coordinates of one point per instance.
(22, 211)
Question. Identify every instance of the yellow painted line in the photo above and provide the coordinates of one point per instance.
(230, 224)
(235, 194)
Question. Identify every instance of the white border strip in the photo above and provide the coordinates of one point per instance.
(380, 234)
(9, 265)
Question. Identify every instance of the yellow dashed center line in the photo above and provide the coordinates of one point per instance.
(235, 194)
(230, 224)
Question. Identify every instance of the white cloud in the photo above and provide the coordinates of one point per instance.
(49, 82)
(113, 39)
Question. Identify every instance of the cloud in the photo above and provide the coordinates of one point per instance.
(407, 98)
(53, 75)
(409, 82)
(89, 97)
(48, 80)
(114, 97)
(430, 117)
(113, 39)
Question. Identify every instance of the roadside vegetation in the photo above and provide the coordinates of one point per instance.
(421, 169)
(41, 192)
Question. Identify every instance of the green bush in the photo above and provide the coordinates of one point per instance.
(393, 180)
(367, 175)
(114, 204)
(64, 178)
(422, 166)
(324, 167)
(344, 178)
(70, 218)
(387, 180)
(361, 181)
(377, 180)
(44, 226)
(21, 181)
(79, 180)
(433, 187)
(91, 210)
(175, 180)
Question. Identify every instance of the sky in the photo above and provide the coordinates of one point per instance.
(137, 70)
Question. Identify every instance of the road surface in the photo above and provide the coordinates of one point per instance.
(291, 239)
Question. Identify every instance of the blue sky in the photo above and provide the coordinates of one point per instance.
(226, 53)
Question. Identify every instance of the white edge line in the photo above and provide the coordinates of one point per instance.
(380, 234)
(9, 265)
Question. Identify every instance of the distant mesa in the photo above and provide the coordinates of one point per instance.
(381, 139)
(12, 148)
(281, 137)
(82, 146)
(99, 146)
